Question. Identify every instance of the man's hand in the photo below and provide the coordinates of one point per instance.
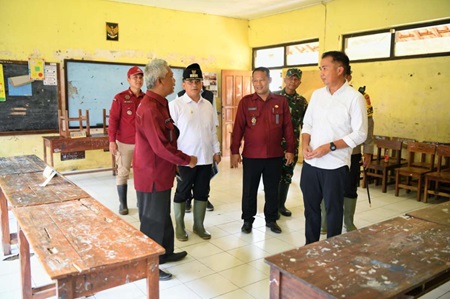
(289, 158)
(113, 148)
(307, 150)
(217, 158)
(367, 158)
(235, 160)
(193, 162)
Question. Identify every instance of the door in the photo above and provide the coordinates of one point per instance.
(235, 85)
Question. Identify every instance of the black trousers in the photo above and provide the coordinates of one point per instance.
(196, 179)
(154, 214)
(354, 175)
(270, 169)
(326, 184)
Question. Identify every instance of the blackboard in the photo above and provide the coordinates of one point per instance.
(36, 113)
(92, 85)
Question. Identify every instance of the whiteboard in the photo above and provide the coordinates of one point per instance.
(92, 85)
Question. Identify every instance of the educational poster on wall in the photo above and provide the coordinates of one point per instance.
(2, 85)
(36, 68)
(50, 74)
(210, 82)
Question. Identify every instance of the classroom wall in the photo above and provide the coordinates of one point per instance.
(410, 96)
(75, 29)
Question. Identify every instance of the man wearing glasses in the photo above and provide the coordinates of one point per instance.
(195, 118)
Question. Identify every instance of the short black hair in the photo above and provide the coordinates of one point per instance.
(340, 57)
(262, 69)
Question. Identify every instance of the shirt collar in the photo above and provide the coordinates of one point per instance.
(157, 97)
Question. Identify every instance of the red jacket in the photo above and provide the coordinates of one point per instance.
(122, 117)
(155, 153)
(262, 124)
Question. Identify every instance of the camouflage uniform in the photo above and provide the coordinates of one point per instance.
(297, 105)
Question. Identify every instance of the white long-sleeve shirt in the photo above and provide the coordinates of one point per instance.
(197, 125)
(330, 117)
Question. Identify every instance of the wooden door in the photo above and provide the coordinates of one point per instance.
(235, 85)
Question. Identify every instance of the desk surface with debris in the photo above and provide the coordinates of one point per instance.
(383, 260)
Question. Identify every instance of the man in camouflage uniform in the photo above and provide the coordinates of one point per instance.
(297, 105)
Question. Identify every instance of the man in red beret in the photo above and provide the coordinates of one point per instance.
(122, 130)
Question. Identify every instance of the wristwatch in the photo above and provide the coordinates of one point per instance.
(332, 146)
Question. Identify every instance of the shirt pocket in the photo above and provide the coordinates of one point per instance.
(276, 116)
(128, 110)
(253, 116)
(170, 130)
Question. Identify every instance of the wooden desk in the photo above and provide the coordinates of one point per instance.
(58, 144)
(385, 260)
(21, 164)
(23, 189)
(85, 248)
(439, 213)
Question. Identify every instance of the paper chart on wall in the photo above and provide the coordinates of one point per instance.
(2, 85)
(36, 68)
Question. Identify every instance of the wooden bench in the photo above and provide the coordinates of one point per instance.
(85, 248)
(399, 258)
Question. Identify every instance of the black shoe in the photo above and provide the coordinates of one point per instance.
(188, 208)
(209, 206)
(247, 227)
(174, 257)
(164, 275)
(285, 212)
(274, 227)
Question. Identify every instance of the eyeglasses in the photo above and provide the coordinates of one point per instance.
(193, 81)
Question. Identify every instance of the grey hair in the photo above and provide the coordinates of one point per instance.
(154, 70)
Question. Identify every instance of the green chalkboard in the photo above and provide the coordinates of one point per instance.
(32, 112)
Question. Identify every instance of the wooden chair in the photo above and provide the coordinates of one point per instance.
(105, 132)
(416, 169)
(64, 124)
(105, 122)
(441, 176)
(379, 168)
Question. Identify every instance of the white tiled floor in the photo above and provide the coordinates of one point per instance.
(230, 265)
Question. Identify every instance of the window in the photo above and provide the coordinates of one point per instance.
(270, 57)
(425, 40)
(287, 55)
(376, 45)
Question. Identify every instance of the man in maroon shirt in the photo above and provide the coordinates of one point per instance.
(262, 119)
(122, 129)
(155, 157)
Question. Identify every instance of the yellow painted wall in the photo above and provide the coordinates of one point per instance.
(75, 29)
(410, 96)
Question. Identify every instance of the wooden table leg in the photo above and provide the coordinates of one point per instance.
(25, 266)
(65, 288)
(153, 278)
(275, 278)
(6, 237)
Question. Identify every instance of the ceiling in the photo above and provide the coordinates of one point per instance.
(239, 9)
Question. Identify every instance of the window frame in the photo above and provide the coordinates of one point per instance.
(392, 31)
(284, 46)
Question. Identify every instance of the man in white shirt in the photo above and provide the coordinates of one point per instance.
(334, 123)
(195, 118)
